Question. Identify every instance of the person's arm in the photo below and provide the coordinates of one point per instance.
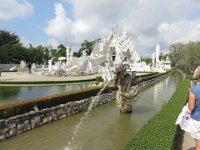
(191, 101)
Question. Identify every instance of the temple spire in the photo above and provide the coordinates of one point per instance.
(157, 53)
(124, 32)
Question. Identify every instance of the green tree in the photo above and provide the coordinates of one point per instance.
(185, 56)
(38, 54)
(7, 37)
(86, 46)
(61, 50)
(19, 53)
(46, 55)
(147, 60)
(162, 56)
(7, 41)
(77, 54)
(6, 53)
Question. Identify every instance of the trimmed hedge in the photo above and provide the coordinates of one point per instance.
(150, 76)
(99, 79)
(21, 107)
(160, 132)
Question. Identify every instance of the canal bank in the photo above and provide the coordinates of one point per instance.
(161, 132)
(112, 134)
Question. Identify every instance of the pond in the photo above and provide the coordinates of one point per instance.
(15, 93)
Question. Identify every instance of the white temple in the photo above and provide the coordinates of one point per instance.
(117, 48)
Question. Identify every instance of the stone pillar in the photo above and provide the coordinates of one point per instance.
(50, 65)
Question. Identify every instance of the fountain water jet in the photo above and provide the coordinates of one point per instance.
(76, 129)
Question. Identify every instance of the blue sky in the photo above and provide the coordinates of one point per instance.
(31, 26)
(70, 22)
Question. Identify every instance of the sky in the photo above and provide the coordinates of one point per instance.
(70, 22)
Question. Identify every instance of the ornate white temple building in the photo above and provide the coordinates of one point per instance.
(106, 54)
(117, 48)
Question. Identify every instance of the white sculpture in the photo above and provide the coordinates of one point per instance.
(22, 67)
(50, 64)
(33, 68)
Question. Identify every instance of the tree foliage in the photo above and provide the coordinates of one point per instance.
(7, 38)
(162, 56)
(147, 60)
(86, 46)
(185, 56)
(13, 51)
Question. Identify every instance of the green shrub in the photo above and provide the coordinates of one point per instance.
(99, 79)
(160, 132)
(149, 74)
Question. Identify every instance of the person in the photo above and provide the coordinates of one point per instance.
(194, 107)
(29, 68)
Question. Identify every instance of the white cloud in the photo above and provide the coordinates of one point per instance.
(66, 31)
(10, 9)
(53, 42)
(60, 26)
(148, 21)
(180, 31)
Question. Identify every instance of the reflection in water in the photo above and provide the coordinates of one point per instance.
(104, 129)
(9, 93)
(119, 136)
(167, 85)
(13, 93)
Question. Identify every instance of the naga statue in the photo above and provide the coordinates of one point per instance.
(126, 93)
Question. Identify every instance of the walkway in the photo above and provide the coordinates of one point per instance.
(14, 76)
(188, 142)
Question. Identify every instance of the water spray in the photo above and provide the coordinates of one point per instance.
(76, 129)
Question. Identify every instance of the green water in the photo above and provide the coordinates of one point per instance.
(105, 128)
(15, 93)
